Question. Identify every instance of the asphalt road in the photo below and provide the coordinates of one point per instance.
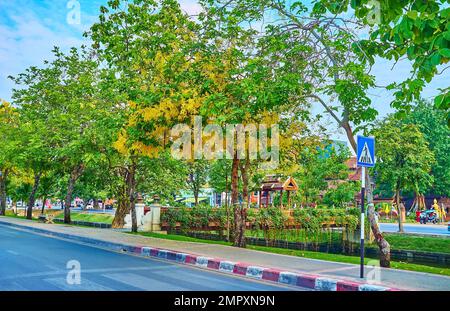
(416, 228)
(34, 262)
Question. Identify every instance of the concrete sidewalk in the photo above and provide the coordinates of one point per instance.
(387, 277)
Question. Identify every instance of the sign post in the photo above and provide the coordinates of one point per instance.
(365, 158)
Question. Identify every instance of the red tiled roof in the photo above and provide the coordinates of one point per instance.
(351, 163)
(354, 171)
(355, 175)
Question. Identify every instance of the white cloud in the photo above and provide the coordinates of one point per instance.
(29, 32)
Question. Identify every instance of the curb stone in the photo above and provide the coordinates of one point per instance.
(243, 269)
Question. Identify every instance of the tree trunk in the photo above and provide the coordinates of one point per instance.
(196, 197)
(227, 208)
(123, 208)
(243, 209)
(32, 197)
(44, 199)
(68, 200)
(385, 248)
(3, 179)
(96, 206)
(126, 198)
(74, 175)
(399, 210)
(383, 245)
(238, 235)
(131, 185)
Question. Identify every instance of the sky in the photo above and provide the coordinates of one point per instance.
(30, 28)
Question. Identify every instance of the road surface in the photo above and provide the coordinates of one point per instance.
(416, 228)
(34, 262)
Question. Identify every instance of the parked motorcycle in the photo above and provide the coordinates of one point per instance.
(428, 216)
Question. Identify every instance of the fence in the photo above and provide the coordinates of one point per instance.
(438, 259)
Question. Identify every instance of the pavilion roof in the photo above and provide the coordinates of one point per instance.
(272, 183)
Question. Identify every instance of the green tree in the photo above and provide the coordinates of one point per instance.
(433, 124)
(245, 85)
(416, 29)
(319, 167)
(219, 180)
(163, 176)
(220, 176)
(8, 147)
(35, 149)
(60, 100)
(404, 158)
(47, 187)
(341, 194)
(19, 187)
(143, 43)
(198, 172)
(321, 52)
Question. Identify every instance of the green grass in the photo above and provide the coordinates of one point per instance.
(176, 237)
(74, 216)
(294, 236)
(10, 213)
(306, 254)
(419, 243)
(103, 218)
(397, 241)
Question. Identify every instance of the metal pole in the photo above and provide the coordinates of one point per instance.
(363, 186)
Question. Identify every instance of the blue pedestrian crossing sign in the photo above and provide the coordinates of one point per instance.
(366, 151)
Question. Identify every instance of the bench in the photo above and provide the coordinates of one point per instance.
(48, 219)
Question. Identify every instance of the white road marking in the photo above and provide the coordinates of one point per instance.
(141, 282)
(84, 271)
(86, 285)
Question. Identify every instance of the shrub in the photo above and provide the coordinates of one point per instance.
(174, 215)
(271, 217)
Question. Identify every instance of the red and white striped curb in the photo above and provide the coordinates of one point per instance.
(261, 273)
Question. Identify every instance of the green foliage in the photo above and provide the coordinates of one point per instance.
(316, 168)
(342, 194)
(198, 172)
(270, 218)
(432, 124)
(163, 176)
(419, 30)
(194, 218)
(172, 216)
(220, 175)
(404, 156)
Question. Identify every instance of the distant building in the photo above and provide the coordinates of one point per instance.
(206, 196)
(336, 145)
